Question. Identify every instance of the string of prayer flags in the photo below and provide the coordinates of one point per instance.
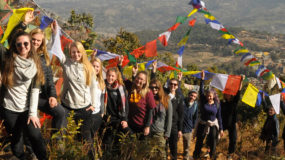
(164, 37)
(45, 21)
(14, 20)
(250, 95)
(275, 101)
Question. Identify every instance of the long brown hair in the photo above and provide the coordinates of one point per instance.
(118, 73)
(88, 68)
(145, 88)
(43, 48)
(99, 76)
(162, 97)
(8, 71)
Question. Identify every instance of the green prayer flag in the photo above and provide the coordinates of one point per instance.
(132, 59)
(181, 19)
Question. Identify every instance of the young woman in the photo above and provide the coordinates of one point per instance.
(117, 108)
(210, 122)
(47, 99)
(162, 116)
(100, 90)
(22, 76)
(79, 90)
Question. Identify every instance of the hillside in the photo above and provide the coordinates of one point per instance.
(136, 15)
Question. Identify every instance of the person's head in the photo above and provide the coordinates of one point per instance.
(157, 90)
(78, 54)
(113, 75)
(141, 80)
(21, 45)
(192, 95)
(173, 85)
(211, 95)
(227, 97)
(97, 65)
(39, 43)
(271, 111)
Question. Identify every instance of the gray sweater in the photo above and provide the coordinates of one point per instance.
(162, 119)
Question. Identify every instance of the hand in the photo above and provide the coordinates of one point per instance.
(94, 53)
(166, 138)
(124, 124)
(54, 27)
(121, 59)
(180, 74)
(146, 131)
(29, 17)
(52, 102)
(35, 121)
(221, 133)
(154, 66)
(179, 134)
(90, 108)
(203, 75)
(135, 69)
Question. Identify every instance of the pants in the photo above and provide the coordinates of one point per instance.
(172, 142)
(97, 121)
(212, 140)
(232, 139)
(186, 144)
(85, 128)
(159, 140)
(283, 136)
(16, 124)
(57, 113)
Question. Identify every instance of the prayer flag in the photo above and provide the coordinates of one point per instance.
(192, 22)
(56, 46)
(45, 21)
(1, 31)
(254, 63)
(132, 59)
(246, 57)
(242, 51)
(179, 60)
(103, 56)
(14, 20)
(249, 61)
(209, 17)
(164, 37)
(228, 36)
(174, 27)
(232, 85)
(275, 101)
(64, 42)
(192, 12)
(138, 52)
(267, 76)
(250, 95)
(151, 49)
(181, 50)
(271, 83)
(181, 19)
(208, 75)
(219, 81)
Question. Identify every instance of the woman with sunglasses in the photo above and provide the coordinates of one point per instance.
(22, 76)
(177, 101)
(48, 98)
(210, 121)
(162, 116)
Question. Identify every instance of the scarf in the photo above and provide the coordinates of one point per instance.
(113, 87)
(25, 69)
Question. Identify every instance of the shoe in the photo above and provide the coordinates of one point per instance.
(229, 157)
(207, 155)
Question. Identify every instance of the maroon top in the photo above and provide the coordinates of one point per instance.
(140, 113)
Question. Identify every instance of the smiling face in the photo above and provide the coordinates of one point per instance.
(75, 54)
(23, 46)
(210, 97)
(173, 85)
(96, 66)
(271, 111)
(37, 40)
(111, 77)
(192, 96)
(140, 80)
(154, 88)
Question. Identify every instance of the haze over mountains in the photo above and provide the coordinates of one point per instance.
(136, 15)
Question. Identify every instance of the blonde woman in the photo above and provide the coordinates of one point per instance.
(21, 77)
(48, 98)
(79, 90)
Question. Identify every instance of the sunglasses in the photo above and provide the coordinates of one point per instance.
(26, 44)
(154, 88)
(173, 84)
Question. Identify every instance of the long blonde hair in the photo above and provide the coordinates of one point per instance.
(118, 73)
(99, 76)
(145, 88)
(8, 71)
(88, 68)
(43, 48)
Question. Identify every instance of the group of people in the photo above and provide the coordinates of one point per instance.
(138, 106)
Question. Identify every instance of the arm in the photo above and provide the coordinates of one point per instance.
(153, 71)
(150, 102)
(125, 117)
(102, 104)
(168, 119)
(34, 99)
(50, 85)
(219, 117)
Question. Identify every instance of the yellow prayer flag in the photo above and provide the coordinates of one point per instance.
(190, 73)
(228, 36)
(89, 52)
(128, 70)
(242, 51)
(183, 41)
(250, 95)
(209, 17)
(192, 12)
(172, 75)
(14, 20)
(48, 33)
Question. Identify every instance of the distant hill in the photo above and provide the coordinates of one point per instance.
(136, 15)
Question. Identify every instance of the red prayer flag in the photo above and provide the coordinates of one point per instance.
(44, 117)
(174, 27)
(125, 61)
(192, 22)
(1, 31)
(224, 30)
(283, 96)
(166, 68)
(113, 63)
(163, 40)
(58, 86)
(232, 85)
(248, 62)
(151, 49)
(64, 41)
(138, 52)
